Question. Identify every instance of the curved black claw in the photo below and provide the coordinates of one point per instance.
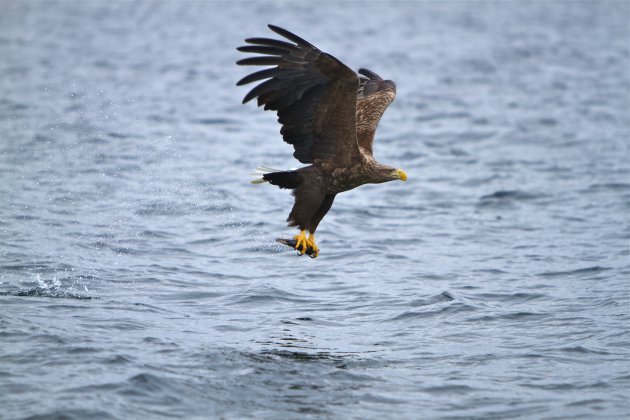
(292, 243)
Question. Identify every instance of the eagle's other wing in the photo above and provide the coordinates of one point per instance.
(373, 98)
(314, 93)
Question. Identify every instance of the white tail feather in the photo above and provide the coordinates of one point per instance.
(262, 170)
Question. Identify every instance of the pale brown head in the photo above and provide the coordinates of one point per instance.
(386, 173)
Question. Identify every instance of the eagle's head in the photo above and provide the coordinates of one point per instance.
(398, 174)
(386, 173)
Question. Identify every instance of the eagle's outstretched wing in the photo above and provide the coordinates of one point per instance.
(373, 98)
(314, 93)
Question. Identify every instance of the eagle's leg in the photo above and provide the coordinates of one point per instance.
(311, 242)
(301, 243)
(315, 219)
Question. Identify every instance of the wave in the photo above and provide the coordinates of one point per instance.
(577, 272)
(46, 292)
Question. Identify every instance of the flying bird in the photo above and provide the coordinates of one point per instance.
(329, 115)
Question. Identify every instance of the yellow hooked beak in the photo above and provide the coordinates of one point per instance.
(402, 175)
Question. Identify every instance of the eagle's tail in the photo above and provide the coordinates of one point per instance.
(283, 179)
(261, 171)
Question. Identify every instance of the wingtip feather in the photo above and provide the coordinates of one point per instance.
(370, 74)
(291, 36)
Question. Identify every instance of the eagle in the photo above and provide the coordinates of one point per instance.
(329, 115)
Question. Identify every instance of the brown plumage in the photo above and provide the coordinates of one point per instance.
(329, 114)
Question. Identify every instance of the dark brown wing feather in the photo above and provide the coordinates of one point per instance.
(313, 92)
(373, 98)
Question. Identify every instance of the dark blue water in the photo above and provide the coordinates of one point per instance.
(139, 277)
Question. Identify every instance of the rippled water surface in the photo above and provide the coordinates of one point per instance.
(139, 277)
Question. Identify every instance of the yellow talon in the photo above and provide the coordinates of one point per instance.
(301, 242)
(311, 242)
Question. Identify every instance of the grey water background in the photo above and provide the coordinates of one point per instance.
(139, 276)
